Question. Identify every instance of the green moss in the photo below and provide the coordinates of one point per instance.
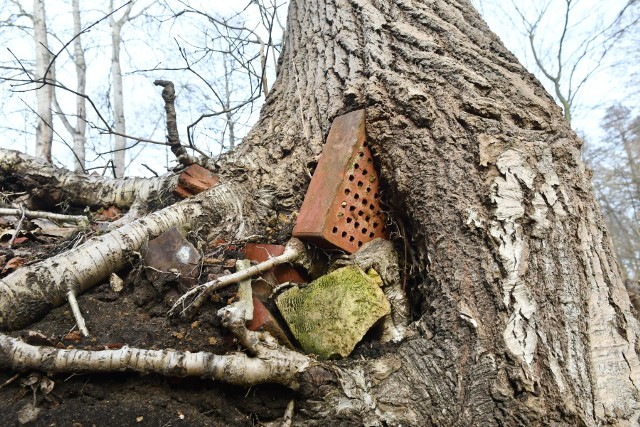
(332, 314)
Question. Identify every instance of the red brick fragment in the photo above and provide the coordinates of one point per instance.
(195, 179)
(263, 320)
(260, 252)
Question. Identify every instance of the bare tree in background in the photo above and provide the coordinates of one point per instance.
(221, 67)
(78, 132)
(238, 56)
(44, 70)
(117, 90)
(568, 40)
(519, 311)
(616, 179)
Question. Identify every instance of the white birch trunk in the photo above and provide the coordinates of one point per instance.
(44, 94)
(46, 181)
(279, 366)
(119, 155)
(30, 292)
(79, 136)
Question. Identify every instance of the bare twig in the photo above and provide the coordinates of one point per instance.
(9, 381)
(75, 309)
(46, 215)
(194, 298)
(18, 227)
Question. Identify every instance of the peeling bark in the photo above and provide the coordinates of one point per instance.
(517, 297)
(278, 366)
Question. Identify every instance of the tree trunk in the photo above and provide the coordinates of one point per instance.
(521, 313)
(44, 94)
(119, 154)
(79, 136)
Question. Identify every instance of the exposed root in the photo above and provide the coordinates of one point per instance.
(272, 364)
(46, 215)
(191, 301)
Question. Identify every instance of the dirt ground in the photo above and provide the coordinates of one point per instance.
(135, 317)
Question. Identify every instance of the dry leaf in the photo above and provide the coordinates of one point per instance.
(13, 264)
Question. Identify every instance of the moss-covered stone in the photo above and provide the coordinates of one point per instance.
(332, 314)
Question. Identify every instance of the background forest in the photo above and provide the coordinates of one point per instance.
(77, 83)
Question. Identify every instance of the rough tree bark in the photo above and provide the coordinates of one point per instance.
(519, 304)
(520, 313)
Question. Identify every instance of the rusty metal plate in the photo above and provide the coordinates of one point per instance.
(342, 206)
(171, 257)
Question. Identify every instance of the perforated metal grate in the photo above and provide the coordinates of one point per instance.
(342, 206)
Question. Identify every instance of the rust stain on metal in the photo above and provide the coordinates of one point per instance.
(342, 206)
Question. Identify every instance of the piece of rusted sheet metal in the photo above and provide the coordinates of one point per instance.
(195, 179)
(342, 206)
(171, 257)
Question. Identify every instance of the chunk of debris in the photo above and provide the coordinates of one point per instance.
(282, 273)
(263, 320)
(116, 283)
(193, 180)
(171, 257)
(332, 314)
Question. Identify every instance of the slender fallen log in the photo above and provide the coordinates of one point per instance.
(30, 292)
(271, 365)
(56, 184)
(46, 215)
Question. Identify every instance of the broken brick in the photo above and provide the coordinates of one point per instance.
(195, 179)
(263, 320)
(262, 252)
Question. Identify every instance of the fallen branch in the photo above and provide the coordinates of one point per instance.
(56, 184)
(272, 365)
(30, 292)
(46, 215)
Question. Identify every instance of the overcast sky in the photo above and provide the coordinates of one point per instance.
(150, 43)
